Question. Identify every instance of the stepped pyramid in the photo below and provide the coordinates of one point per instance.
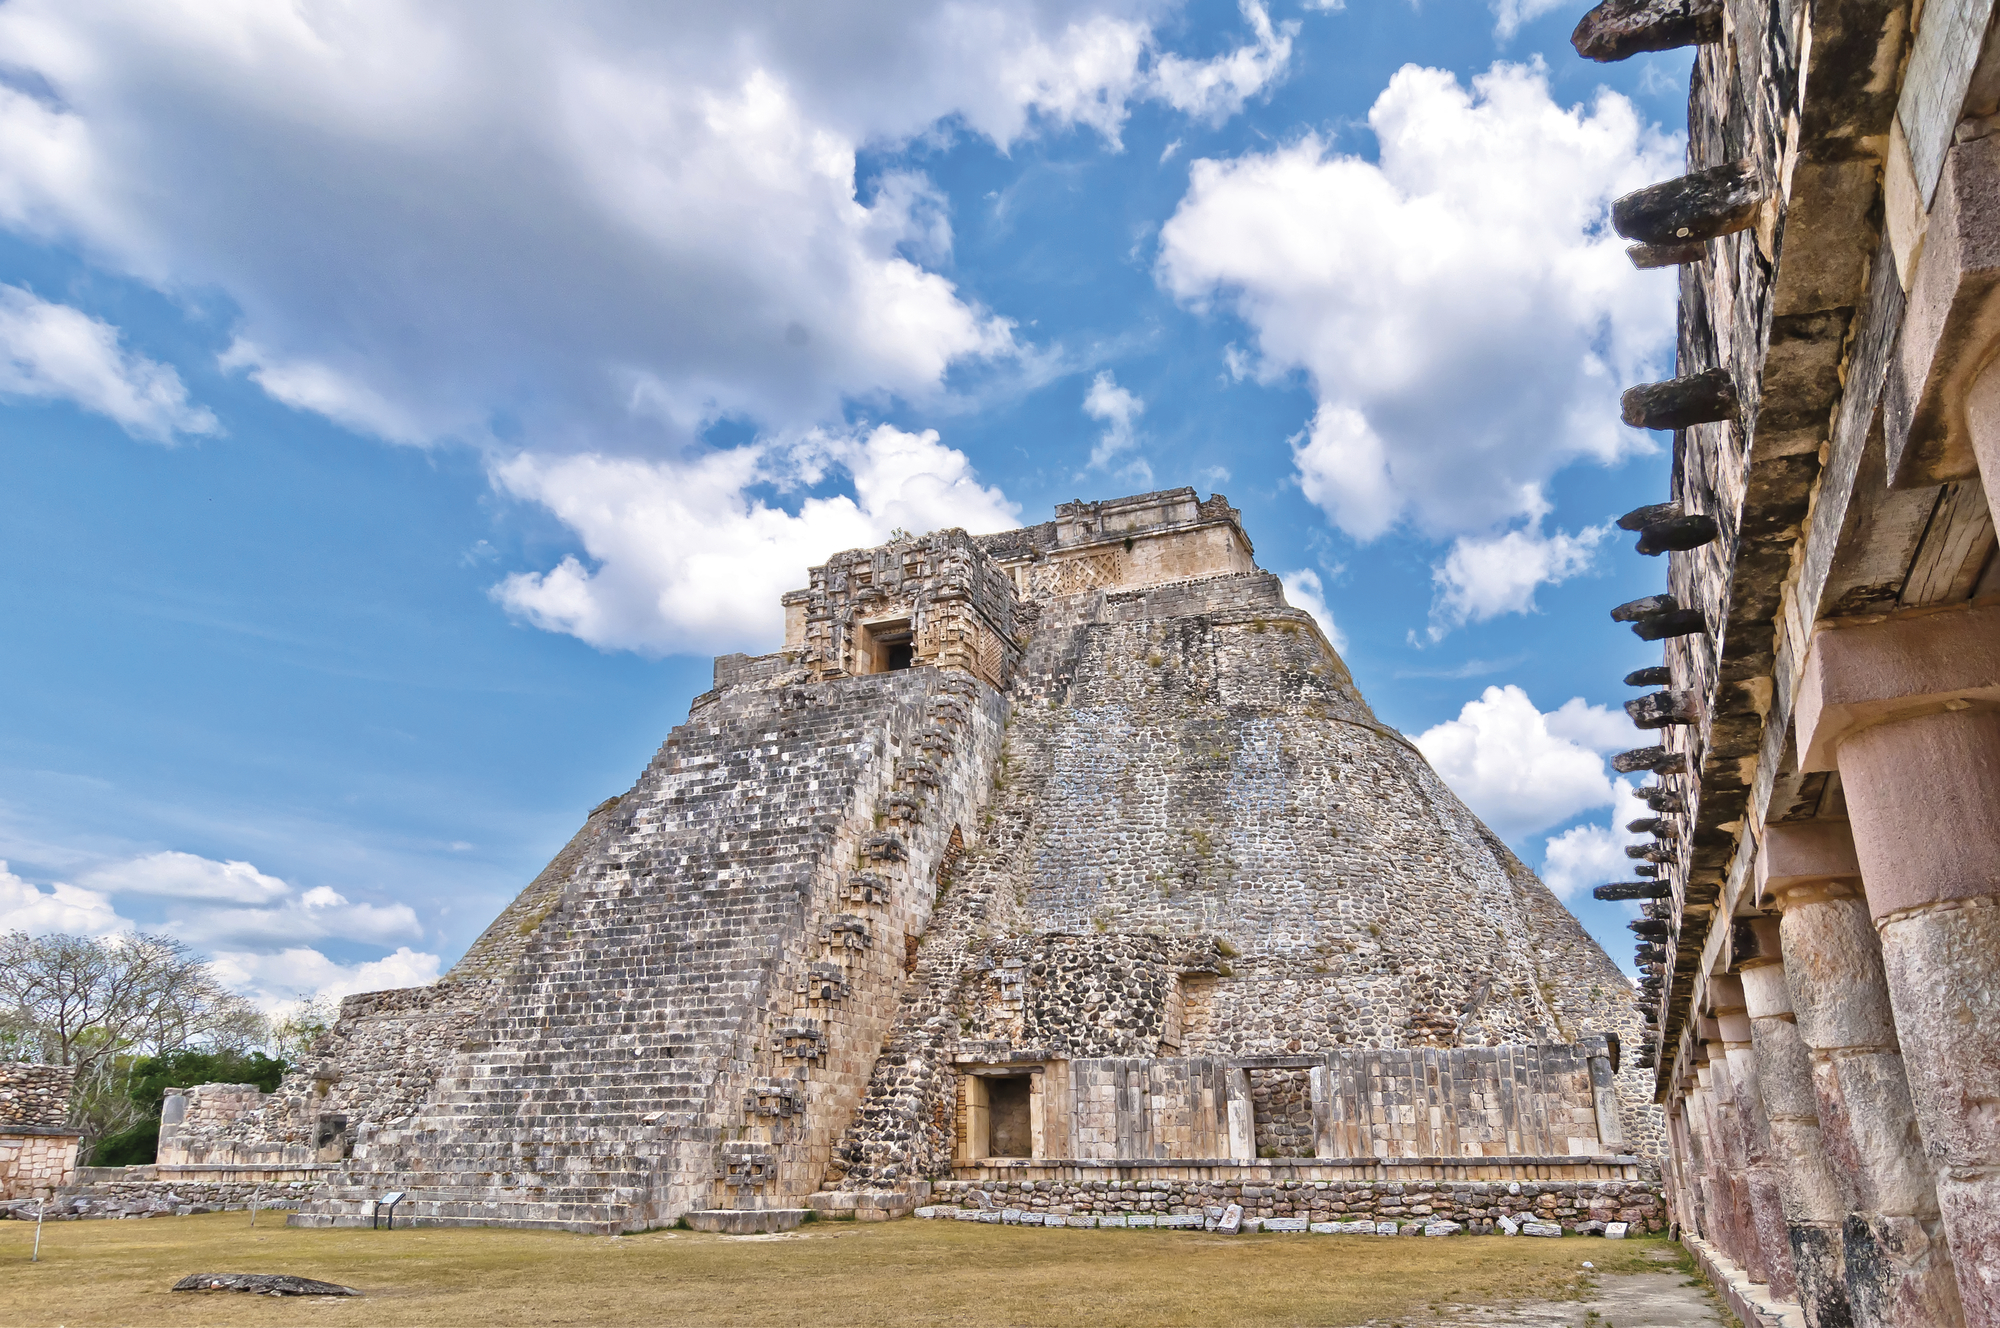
(1068, 846)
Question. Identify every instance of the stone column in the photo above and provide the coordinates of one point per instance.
(1808, 1193)
(1766, 1234)
(1909, 711)
(1730, 1161)
(1897, 1267)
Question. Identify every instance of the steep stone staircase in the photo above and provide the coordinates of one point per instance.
(587, 1097)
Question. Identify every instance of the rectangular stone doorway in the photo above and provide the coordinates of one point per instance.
(1010, 1126)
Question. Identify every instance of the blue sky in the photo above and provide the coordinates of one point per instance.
(400, 403)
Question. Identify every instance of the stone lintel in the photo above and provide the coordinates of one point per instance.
(1798, 855)
(1894, 668)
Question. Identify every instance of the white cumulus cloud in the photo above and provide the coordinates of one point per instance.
(683, 559)
(205, 902)
(60, 908)
(1485, 576)
(1522, 770)
(1585, 856)
(52, 352)
(1216, 89)
(1460, 307)
(575, 236)
(187, 876)
(1509, 15)
(1119, 411)
(276, 980)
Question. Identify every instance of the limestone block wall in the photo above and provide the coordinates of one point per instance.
(375, 1067)
(32, 1165)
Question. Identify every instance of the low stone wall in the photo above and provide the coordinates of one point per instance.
(155, 1198)
(35, 1162)
(1474, 1204)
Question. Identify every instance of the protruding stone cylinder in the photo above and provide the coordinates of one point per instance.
(1632, 890)
(1645, 256)
(1701, 398)
(1619, 29)
(1698, 206)
(1676, 622)
(1910, 711)
(1641, 517)
(1677, 535)
(1658, 710)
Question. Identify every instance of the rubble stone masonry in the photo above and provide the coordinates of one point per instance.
(37, 1146)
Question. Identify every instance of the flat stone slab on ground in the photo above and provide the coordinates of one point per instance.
(262, 1284)
(745, 1221)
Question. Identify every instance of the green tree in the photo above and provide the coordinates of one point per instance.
(102, 1005)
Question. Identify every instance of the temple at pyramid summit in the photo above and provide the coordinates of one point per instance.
(1060, 871)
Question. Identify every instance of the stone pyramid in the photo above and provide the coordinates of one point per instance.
(1072, 845)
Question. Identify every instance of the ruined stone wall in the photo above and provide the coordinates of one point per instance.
(1282, 1112)
(375, 1067)
(1191, 768)
(34, 1096)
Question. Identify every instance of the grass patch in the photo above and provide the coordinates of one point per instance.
(933, 1273)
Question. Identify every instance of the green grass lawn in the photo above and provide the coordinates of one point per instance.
(932, 1273)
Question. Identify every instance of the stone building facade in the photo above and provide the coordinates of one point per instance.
(37, 1145)
(1063, 858)
(1822, 931)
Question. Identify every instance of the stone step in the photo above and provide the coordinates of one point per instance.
(418, 1210)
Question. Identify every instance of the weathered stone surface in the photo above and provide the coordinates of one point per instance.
(1677, 535)
(1675, 622)
(744, 1221)
(262, 1284)
(1540, 1229)
(1619, 29)
(1702, 398)
(1661, 709)
(1698, 206)
(1648, 256)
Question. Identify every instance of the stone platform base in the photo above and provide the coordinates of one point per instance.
(869, 1205)
(745, 1221)
(1751, 1301)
